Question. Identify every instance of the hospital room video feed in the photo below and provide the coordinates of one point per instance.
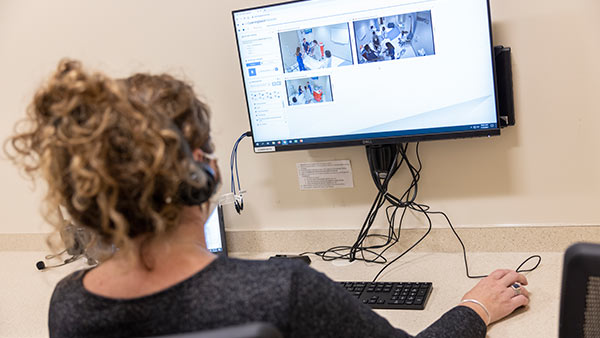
(309, 90)
(316, 48)
(394, 37)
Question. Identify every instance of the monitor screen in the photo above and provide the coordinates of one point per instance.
(327, 73)
(214, 232)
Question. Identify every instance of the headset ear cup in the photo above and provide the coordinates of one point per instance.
(191, 195)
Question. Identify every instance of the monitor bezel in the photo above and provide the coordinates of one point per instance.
(375, 140)
(222, 239)
(222, 229)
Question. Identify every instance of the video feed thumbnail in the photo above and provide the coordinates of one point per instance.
(316, 48)
(394, 37)
(309, 90)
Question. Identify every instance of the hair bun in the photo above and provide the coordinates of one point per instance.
(67, 65)
(108, 152)
(75, 102)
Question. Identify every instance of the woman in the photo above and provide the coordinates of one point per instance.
(121, 156)
(301, 66)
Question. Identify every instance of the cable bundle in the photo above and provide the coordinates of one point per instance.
(384, 162)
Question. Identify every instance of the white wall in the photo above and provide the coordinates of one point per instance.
(343, 51)
(544, 171)
(289, 42)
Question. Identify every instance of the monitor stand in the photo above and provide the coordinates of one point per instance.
(381, 158)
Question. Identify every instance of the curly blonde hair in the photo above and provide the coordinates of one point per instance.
(108, 151)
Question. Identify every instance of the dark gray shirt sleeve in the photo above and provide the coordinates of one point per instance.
(321, 308)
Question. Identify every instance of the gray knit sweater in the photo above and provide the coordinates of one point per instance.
(298, 300)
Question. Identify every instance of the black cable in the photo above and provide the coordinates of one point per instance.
(405, 202)
(410, 248)
(359, 250)
(527, 260)
(464, 251)
(425, 210)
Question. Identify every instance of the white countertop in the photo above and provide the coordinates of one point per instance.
(26, 291)
(447, 272)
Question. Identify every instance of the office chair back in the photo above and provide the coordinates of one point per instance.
(580, 294)
(251, 330)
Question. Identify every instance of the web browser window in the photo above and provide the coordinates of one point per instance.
(351, 69)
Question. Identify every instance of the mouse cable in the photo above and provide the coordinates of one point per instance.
(425, 209)
(464, 251)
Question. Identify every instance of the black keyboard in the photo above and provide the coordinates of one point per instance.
(391, 295)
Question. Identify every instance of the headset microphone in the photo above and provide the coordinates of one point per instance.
(76, 240)
(40, 265)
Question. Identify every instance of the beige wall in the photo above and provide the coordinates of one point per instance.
(544, 171)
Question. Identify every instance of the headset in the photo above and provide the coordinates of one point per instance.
(200, 172)
(77, 238)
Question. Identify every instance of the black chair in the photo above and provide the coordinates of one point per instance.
(580, 295)
(251, 330)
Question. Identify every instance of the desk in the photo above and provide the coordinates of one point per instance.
(446, 271)
(25, 299)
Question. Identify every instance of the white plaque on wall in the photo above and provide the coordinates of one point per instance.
(325, 175)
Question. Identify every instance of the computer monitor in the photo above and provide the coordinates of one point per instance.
(327, 73)
(214, 232)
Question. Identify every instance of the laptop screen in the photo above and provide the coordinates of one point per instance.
(214, 232)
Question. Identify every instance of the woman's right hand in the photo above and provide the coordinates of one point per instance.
(497, 295)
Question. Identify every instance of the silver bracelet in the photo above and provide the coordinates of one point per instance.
(482, 306)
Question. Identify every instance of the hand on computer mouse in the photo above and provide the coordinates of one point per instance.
(497, 295)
